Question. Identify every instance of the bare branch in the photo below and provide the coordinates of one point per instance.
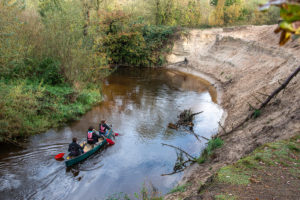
(263, 94)
(173, 172)
(204, 138)
(285, 83)
(257, 98)
(192, 132)
(274, 93)
(192, 157)
(222, 127)
(196, 113)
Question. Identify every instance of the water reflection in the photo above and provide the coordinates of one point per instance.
(139, 103)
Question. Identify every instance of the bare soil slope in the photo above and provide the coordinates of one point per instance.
(246, 64)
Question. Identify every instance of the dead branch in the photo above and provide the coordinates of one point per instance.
(187, 154)
(196, 113)
(264, 104)
(192, 132)
(263, 94)
(172, 126)
(222, 127)
(186, 118)
(282, 86)
(251, 107)
(175, 172)
(205, 138)
(257, 98)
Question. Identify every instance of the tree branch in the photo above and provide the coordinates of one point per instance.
(173, 172)
(192, 132)
(274, 93)
(192, 157)
(285, 83)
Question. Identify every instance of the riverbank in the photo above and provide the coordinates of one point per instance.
(247, 64)
(30, 107)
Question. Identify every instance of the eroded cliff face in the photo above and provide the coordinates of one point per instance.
(246, 64)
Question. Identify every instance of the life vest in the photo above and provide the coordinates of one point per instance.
(102, 129)
(90, 136)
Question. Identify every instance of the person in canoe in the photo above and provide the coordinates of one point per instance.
(92, 136)
(103, 127)
(74, 148)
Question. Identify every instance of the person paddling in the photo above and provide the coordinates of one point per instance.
(74, 148)
(103, 127)
(92, 136)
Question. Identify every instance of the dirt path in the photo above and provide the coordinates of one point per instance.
(246, 64)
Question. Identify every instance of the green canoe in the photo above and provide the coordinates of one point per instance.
(72, 161)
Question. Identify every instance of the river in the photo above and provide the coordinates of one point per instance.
(139, 103)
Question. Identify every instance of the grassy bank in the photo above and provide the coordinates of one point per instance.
(271, 171)
(29, 107)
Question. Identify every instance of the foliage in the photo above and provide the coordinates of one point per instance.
(146, 194)
(225, 197)
(233, 176)
(290, 24)
(208, 151)
(227, 2)
(180, 188)
(256, 113)
(29, 107)
(129, 42)
(119, 196)
(282, 153)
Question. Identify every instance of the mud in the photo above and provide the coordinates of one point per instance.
(246, 64)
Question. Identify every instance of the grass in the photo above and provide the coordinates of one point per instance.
(208, 151)
(233, 175)
(180, 188)
(225, 197)
(30, 107)
(285, 153)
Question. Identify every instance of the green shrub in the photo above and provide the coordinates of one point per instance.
(208, 151)
(180, 188)
(130, 42)
(29, 107)
(49, 70)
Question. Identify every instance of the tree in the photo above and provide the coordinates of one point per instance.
(290, 14)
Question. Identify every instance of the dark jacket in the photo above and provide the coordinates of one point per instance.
(75, 149)
(104, 128)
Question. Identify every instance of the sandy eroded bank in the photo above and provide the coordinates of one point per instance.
(242, 62)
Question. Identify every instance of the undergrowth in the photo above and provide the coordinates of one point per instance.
(208, 151)
(146, 193)
(180, 188)
(282, 153)
(225, 197)
(29, 107)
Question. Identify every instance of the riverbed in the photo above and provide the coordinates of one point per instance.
(139, 104)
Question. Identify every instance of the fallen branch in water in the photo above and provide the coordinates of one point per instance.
(205, 138)
(180, 163)
(192, 132)
(187, 154)
(185, 119)
(173, 172)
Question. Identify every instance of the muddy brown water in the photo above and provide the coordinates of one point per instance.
(139, 104)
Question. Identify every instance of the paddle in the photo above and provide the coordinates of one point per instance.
(109, 141)
(59, 156)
